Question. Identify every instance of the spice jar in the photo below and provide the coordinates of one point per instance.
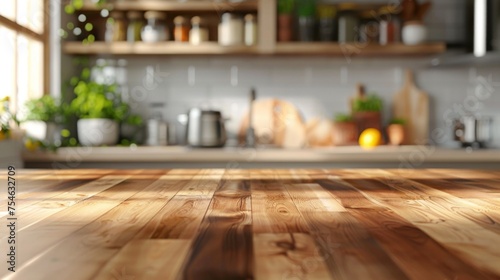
(306, 20)
(198, 32)
(115, 27)
(348, 23)
(250, 30)
(135, 25)
(156, 30)
(390, 26)
(230, 30)
(326, 22)
(369, 27)
(181, 29)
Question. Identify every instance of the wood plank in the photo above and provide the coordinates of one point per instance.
(147, 259)
(450, 230)
(349, 250)
(288, 256)
(181, 217)
(158, 5)
(223, 248)
(55, 228)
(273, 210)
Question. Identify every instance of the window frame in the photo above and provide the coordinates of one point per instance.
(43, 38)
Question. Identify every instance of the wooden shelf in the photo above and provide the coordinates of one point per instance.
(163, 48)
(173, 5)
(213, 48)
(358, 49)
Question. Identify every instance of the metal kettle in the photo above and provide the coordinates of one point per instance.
(204, 128)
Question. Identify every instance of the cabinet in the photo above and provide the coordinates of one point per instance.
(266, 11)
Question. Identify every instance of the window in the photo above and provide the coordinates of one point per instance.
(24, 52)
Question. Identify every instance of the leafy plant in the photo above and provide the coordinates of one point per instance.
(371, 103)
(285, 7)
(398, 121)
(45, 108)
(342, 118)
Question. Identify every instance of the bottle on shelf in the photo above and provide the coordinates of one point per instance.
(156, 29)
(115, 27)
(348, 23)
(285, 20)
(250, 30)
(198, 32)
(327, 29)
(390, 25)
(135, 25)
(181, 29)
(306, 20)
(231, 30)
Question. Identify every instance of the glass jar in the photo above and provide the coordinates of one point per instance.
(135, 25)
(250, 30)
(181, 29)
(390, 26)
(115, 27)
(306, 20)
(230, 30)
(348, 23)
(156, 30)
(198, 32)
(369, 27)
(327, 28)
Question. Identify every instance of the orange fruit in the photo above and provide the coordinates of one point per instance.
(370, 138)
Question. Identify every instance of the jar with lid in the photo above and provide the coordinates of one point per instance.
(181, 29)
(390, 25)
(115, 27)
(306, 20)
(156, 30)
(327, 29)
(369, 27)
(348, 22)
(198, 32)
(135, 25)
(250, 30)
(231, 30)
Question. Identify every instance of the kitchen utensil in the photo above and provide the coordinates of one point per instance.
(412, 105)
(473, 131)
(204, 128)
(250, 136)
(276, 122)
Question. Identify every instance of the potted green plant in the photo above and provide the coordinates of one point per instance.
(285, 20)
(396, 131)
(345, 130)
(100, 110)
(44, 119)
(367, 110)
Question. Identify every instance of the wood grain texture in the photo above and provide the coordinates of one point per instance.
(257, 224)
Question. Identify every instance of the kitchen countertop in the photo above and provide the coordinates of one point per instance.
(335, 154)
(256, 224)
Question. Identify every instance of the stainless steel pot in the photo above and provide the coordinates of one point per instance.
(204, 128)
(473, 131)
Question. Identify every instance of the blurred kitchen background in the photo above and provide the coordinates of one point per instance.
(315, 56)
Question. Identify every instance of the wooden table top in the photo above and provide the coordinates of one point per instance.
(255, 224)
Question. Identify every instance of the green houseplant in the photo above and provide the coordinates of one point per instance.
(44, 120)
(367, 110)
(285, 20)
(100, 111)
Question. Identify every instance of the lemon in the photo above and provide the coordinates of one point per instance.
(370, 138)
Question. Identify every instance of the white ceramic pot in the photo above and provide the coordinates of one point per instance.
(97, 132)
(414, 33)
(48, 132)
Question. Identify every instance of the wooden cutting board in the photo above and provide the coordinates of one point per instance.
(412, 105)
(275, 122)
